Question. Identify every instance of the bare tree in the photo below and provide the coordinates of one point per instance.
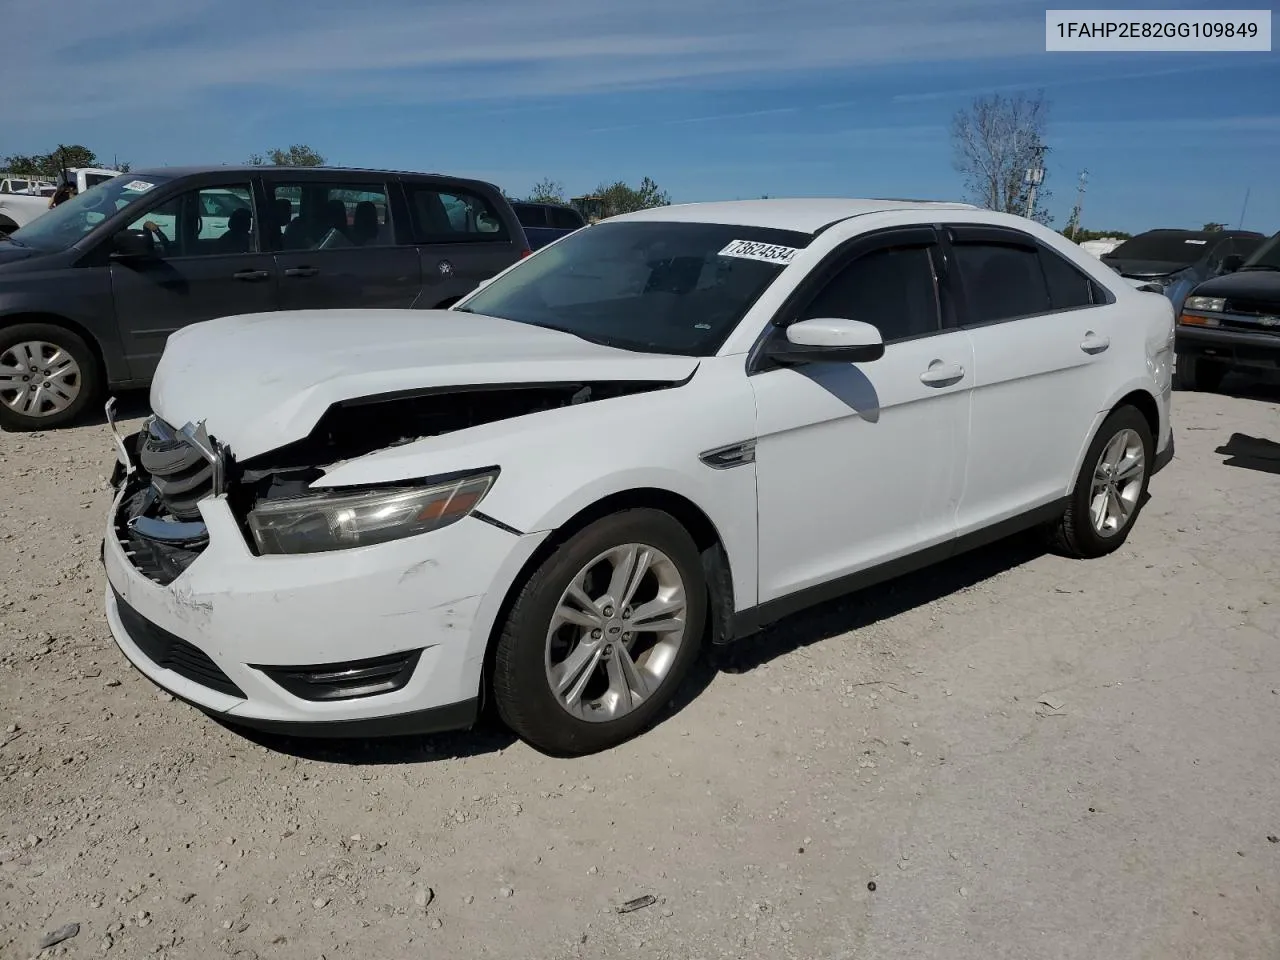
(994, 142)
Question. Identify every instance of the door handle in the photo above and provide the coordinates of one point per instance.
(252, 275)
(942, 374)
(1093, 343)
(301, 272)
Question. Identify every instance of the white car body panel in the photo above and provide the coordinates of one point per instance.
(855, 465)
(400, 350)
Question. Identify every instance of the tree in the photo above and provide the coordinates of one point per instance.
(298, 155)
(546, 190)
(621, 198)
(1214, 227)
(1083, 235)
(994, 142)
(47, 166)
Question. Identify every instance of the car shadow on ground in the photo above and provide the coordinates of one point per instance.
(869, 606)
(820, 623)
(1252, 453)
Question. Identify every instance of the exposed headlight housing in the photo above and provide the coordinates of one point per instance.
(340, 520)
(1208, 304)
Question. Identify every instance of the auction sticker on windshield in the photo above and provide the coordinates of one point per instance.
(752, 250)
(138, 186)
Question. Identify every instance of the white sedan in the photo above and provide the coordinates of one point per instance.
(666, 430)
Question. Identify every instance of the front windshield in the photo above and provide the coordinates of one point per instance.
(1185, 247)
(1266, 257)
(68, 222)
(654, 287)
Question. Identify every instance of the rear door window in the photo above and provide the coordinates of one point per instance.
(311, 215)
(1001, 281)
(563, 218)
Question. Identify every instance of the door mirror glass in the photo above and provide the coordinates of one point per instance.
(831, 339)
(133, 245)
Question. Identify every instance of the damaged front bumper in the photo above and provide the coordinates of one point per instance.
(369, 641)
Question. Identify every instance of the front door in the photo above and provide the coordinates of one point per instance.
(209, 262)
(337, 243)
(860, 463)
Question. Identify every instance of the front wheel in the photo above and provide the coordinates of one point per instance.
(601, 635)
(47, 376)
(1110, 489)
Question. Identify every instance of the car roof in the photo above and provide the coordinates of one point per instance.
(805, 214)
(253, 169)
(1199, 234)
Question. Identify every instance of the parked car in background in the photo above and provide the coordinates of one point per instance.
(90, 291)
(85, 178)
(1232, 322)
(670, 428)
(1177, 260)
(25, 186)
(546, 222)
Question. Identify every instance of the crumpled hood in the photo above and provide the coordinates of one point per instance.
(261, 381)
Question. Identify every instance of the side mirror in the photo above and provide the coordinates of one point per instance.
(828, 339)
(1231, 263)
(133, 245)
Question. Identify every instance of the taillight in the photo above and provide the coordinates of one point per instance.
(525, 253)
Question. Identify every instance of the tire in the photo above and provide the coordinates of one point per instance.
(15, 344)
(527, 662)
(1077, 534)
(1201, 374)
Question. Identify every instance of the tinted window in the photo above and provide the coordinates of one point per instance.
(453, 216)
(1166, 246)
(216, 220)
(892, 289)
(564, 218)
(1068, 286)
(329, 216)
(1001, 282)
(657, 287)
(530, 214)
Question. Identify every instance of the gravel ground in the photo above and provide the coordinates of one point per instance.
(1012, 755)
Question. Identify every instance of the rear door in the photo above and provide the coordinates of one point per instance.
(338, 243)
(462, 238)
(206, 266)
(1044, 367)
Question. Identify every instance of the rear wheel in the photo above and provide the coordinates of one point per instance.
(1201, 373)
(1111, 487)
(602, 634)
(47, 376)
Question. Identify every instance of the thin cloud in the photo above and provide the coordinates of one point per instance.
(174, 55)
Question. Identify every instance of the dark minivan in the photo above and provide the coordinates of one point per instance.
(90, 291)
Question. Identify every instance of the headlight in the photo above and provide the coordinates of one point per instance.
(339, 520)
(1210, 304)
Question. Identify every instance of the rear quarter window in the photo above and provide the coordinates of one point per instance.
(446, 214)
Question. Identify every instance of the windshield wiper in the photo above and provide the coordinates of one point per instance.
(1260, 266)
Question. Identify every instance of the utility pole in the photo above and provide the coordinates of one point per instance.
(1075, 214)
(1033, 178)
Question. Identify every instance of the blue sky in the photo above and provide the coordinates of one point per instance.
(713, 99)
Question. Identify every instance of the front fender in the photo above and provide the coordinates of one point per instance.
(557, 463)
